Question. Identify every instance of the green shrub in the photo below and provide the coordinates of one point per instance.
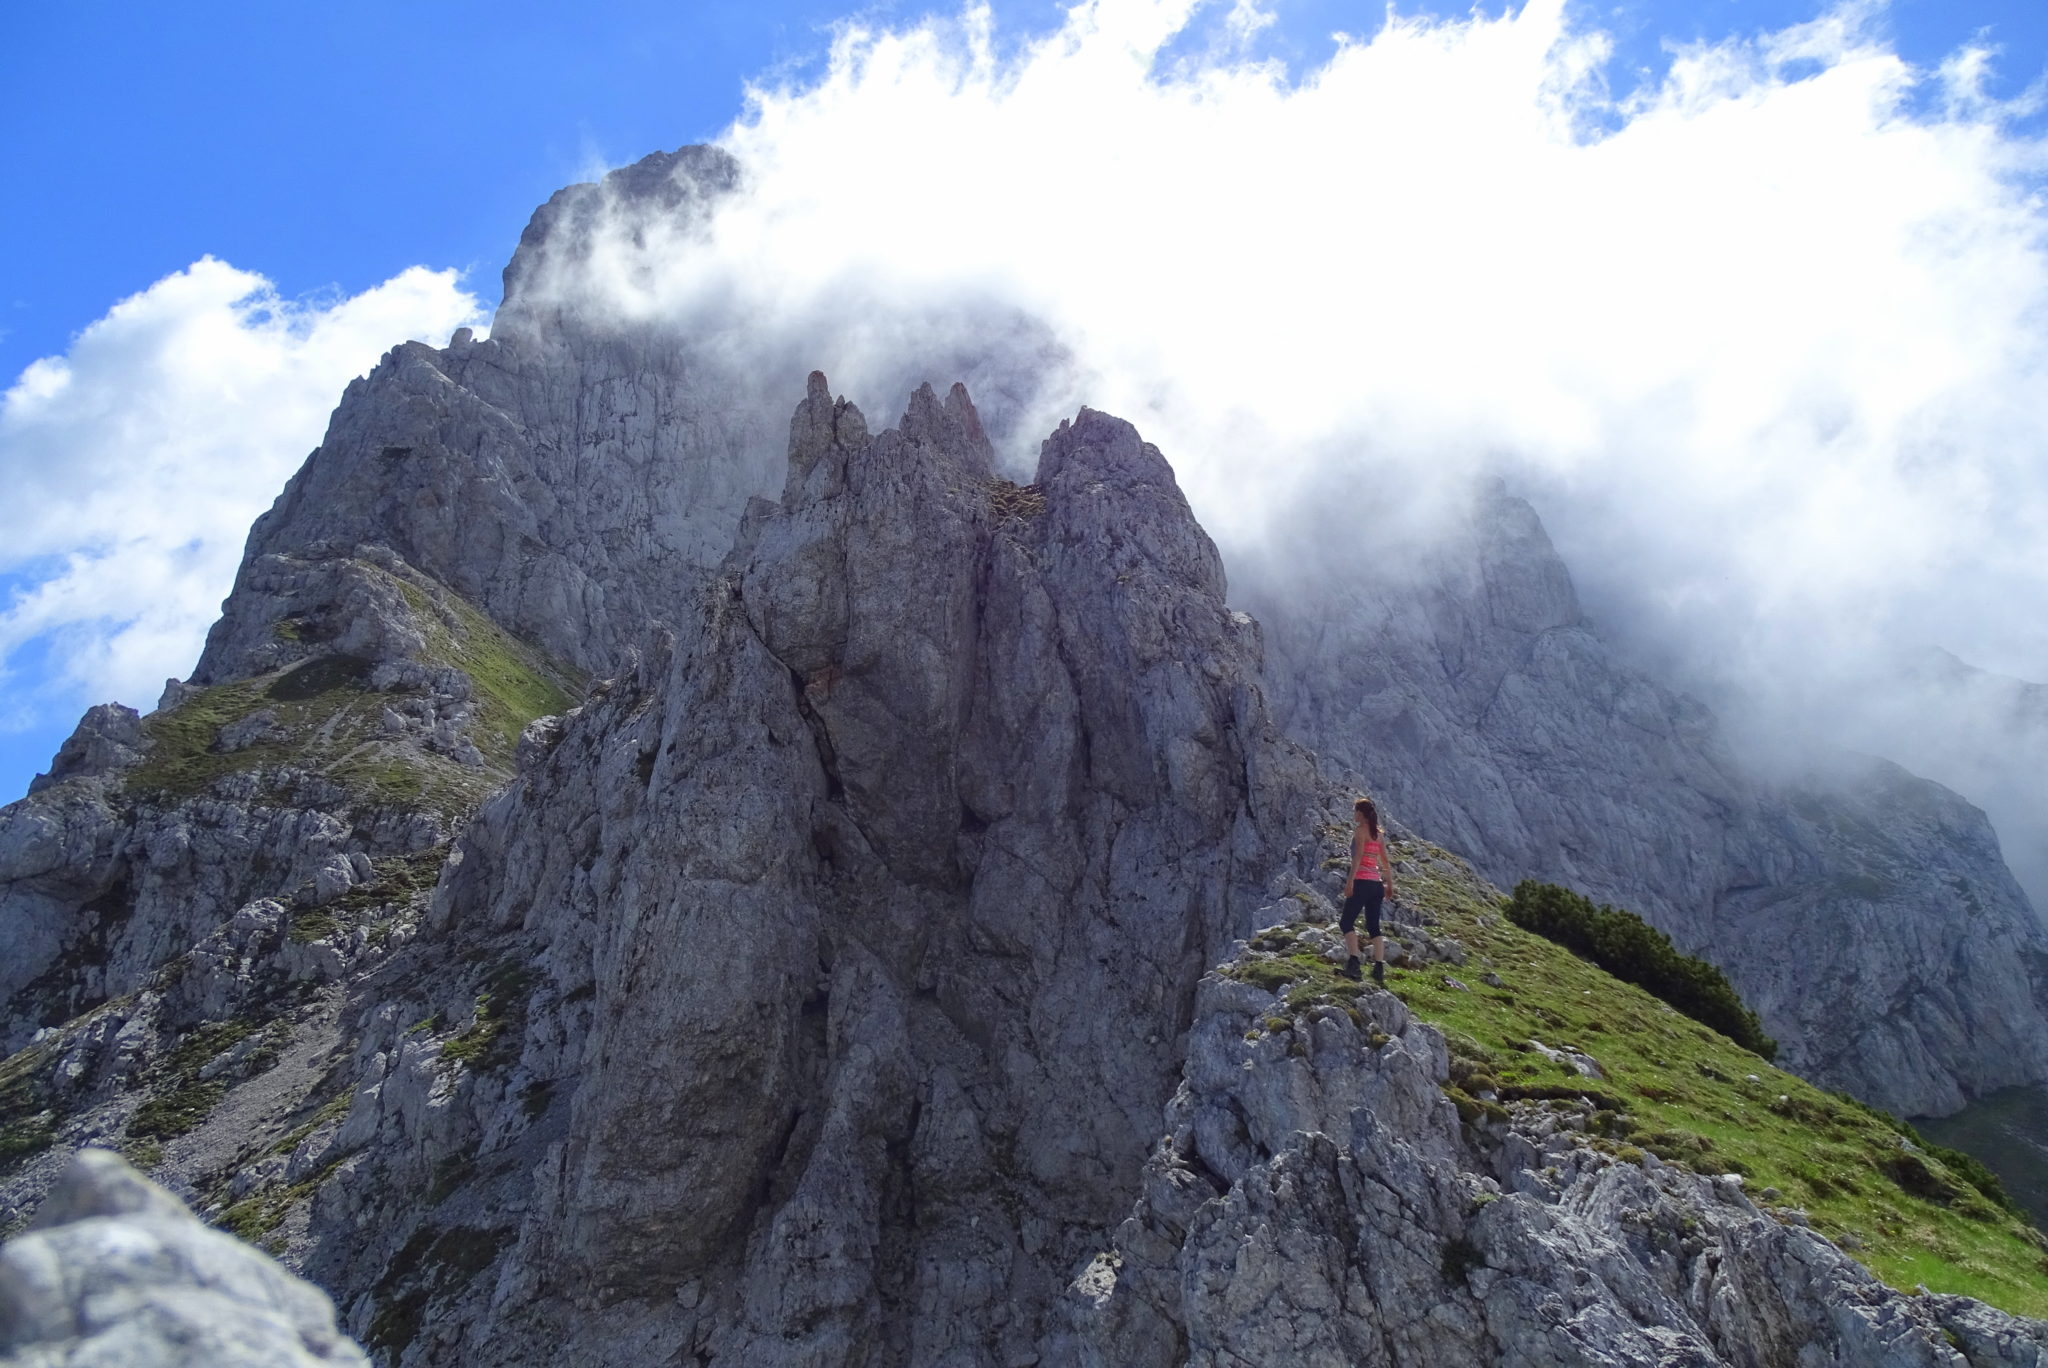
(1972, 1171)
(1631, 949)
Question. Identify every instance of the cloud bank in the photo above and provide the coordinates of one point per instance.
(1765, 339)
(135, 463)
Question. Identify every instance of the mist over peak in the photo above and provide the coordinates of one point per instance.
(1761, 341)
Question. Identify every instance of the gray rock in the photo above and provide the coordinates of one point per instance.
(108, 739)
(1583, 1064)
(1318, 1202)
(258, 728)
(117, 1271)
(890, 871)
(573, 477)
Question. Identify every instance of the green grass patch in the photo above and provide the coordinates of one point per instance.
(262, 1212)
(313, 924)
(28, 1124)
(330, 722)
(333, 1109)
(493, 1035)
(182, 761)
(1680, 1090)
(1636, 952)
(331, 725)
(399, 879)
(182, 1107)
(513, 682)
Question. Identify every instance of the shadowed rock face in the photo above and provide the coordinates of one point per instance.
(887, 879)
(1866, 914)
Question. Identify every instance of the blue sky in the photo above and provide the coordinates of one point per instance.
(329, 148)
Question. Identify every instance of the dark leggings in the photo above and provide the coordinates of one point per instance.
(1365, 893)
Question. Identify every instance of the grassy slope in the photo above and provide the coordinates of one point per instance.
(1683, 1092)
(335, 721)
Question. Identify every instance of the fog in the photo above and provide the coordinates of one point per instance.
(1763, 339)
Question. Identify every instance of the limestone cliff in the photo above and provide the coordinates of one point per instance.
(572, 477)
(1320, 1201)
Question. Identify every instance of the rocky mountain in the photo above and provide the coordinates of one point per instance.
(572, 479)
(1865, 913)
(1978, 731)
(585, 910)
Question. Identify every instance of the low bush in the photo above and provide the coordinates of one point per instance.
(1631, 949)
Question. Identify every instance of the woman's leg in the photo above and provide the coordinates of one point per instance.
(1375, 895)
(1348, 923)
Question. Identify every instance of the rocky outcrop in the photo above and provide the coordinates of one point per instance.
(1866, 915)
(1981, 733)
(381, 712)
(868, 910)
(116, 1270)
(1319, 1201)
(575, 476)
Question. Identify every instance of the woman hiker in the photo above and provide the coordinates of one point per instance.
(1371, 883)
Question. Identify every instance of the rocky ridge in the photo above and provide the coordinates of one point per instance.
(572, 477)
(1867, 915)
(880, 837)
(812, 991)
(1320, 1200)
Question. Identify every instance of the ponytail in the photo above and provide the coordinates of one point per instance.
(1371, 815)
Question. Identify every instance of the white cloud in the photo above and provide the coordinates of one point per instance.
(1765, 338)
(135, 463)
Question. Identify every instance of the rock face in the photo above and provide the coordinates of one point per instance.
(869, 907)
(1985, 734)
(1318, 1201)
(117, 1271)
(572, 476)
(1866, 915)
(384, 710)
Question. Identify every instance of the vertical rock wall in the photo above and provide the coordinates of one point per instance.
(873, 902)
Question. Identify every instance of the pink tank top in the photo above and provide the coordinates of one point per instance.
(1368, 862)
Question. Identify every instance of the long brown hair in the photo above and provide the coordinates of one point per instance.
(1364, 808)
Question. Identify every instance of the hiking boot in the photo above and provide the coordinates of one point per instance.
(1379, 971)
(1350, 969)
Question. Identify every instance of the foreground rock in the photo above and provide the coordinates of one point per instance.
(117, 1272)
(1318, 1201)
